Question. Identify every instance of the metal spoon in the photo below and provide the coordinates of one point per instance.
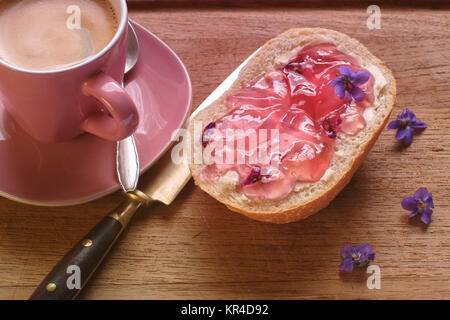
(127, 159)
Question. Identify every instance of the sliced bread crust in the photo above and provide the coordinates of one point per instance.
(350, 151)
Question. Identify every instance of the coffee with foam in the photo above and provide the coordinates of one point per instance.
(54, 34)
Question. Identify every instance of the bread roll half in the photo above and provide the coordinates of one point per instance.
(349, 150)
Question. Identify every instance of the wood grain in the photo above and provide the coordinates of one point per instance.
(196, 248)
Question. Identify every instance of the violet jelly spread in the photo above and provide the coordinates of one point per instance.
(319, 93)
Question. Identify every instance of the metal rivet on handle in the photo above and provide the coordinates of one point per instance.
(87, 243)
(50, 287)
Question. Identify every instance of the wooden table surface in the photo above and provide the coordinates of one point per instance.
(196, 248)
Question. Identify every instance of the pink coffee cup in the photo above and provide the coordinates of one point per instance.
(59, 105)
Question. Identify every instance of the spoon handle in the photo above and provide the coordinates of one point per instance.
(127, 164)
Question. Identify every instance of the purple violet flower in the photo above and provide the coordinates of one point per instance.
(356, 257)
(330, 126)
(208, 133)
(254, 176)
(406, 124)
(295, 66)
(349, 82)
(421, 203)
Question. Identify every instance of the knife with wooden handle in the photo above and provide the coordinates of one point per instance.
(90, 251)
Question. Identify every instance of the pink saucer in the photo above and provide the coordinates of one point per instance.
(83, 169)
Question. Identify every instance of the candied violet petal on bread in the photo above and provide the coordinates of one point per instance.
(311, 192)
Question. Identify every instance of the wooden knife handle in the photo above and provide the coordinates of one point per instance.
(72, 272)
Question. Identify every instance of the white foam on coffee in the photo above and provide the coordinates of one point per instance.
(34, 34)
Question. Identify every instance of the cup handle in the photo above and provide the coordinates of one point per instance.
(123, 117)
